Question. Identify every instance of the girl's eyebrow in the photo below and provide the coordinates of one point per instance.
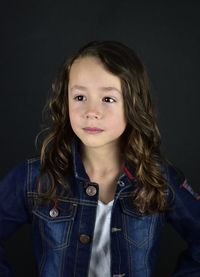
(104, 89)
(108, 89)
(76, 87)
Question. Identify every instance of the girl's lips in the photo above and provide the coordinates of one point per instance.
(92, 130)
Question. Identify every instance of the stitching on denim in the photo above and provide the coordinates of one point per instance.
(32, 160)
(119, 193)
(154, 220)
(118, 249)
(62, 263)
(28, 176)
(77, 246)
(130, 267)
(28, 187)
(127, 237)
(138, 244)
(132, 213)
(67, 233)
(45, 217)
(41, 266)
(50, 243)
(116, 244)
(125, 194)
(71, 200)
(76, 259)
(27, 183)
(128, 246)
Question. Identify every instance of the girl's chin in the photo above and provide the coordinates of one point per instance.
(95, 143)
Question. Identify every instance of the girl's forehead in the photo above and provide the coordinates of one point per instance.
(86, 61)
(90, 70)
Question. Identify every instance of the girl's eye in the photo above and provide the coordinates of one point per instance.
(108, 99)
(80, 98)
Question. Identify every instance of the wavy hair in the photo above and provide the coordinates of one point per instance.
(141, 139)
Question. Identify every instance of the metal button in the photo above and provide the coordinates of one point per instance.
(54, 212)
(91, 190)
(121, 183)
(115, 229)
(84, 239)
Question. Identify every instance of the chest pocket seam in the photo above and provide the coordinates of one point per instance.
(134, 224)
(55, 231)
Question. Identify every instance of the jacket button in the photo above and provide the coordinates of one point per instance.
(121, 183)
(84, 239)
(53, 213)
(91, 190)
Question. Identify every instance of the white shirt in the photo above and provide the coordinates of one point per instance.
(100, 257)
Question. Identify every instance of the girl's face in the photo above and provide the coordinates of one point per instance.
(96, 107)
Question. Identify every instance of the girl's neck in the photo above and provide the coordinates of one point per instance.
(100, 161)
(103, 166)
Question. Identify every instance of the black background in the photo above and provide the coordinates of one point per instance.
(37, 36)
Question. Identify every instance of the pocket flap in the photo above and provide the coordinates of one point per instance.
(128, 208)
(66, 211)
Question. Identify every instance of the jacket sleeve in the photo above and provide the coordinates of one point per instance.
(184, 216)
(13, 209)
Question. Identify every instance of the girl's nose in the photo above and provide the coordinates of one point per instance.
(92, 114)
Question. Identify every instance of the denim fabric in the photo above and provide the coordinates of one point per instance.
(63, 239)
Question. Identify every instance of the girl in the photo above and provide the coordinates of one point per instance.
(100, 192)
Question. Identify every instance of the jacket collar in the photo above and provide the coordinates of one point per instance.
(79, 170)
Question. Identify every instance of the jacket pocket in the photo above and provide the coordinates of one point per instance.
(137, 227)
(54, 226)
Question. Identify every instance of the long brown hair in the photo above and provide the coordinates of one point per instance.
(141, 139)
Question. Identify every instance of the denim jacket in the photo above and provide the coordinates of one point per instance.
(63, 230)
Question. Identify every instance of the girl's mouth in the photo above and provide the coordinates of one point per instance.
(92, 130)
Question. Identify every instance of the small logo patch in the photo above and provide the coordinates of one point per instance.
(186, 186)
